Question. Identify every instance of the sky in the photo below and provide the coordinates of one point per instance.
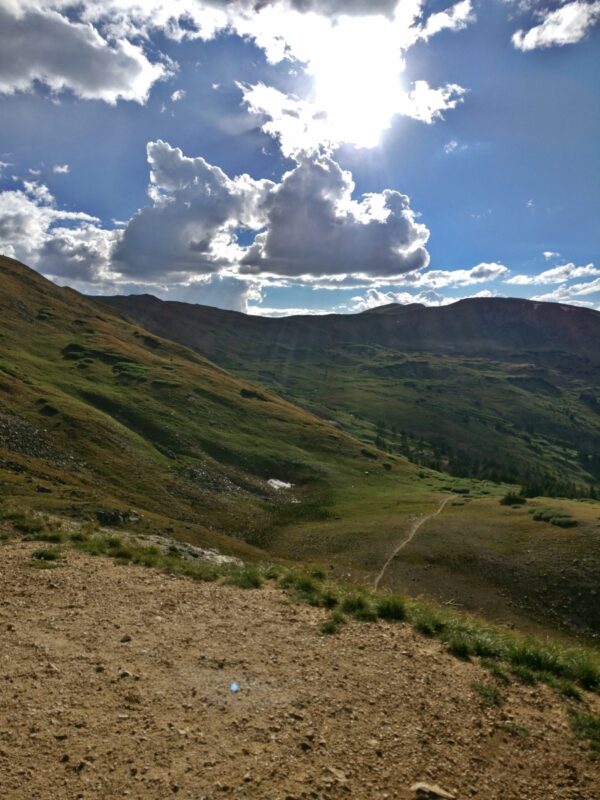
(304, 156)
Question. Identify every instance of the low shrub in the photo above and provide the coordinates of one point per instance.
(512, 499)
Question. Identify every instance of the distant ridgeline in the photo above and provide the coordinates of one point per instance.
(494, 388)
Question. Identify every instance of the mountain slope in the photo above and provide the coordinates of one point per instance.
(98, 417)
(103, 421)
(495, 388)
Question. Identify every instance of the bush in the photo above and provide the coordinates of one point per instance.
(251, 394)
(512, 499)
(555, 516)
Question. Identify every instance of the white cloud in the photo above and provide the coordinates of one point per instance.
(454, 18)
(177, 95)
(440, 278)
(574, 294)
(374, 298)
(44, 46)
(191, 225)
(220, 291)
(61, 169)
(568, 24)
(453, 146)
(356, 94)
(56, 242)
(314, 226)
(560, 274)
(549, 254)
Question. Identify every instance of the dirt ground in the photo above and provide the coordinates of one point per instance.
(115, 681)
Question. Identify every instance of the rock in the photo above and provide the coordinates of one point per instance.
(125, 638)
(426, 791)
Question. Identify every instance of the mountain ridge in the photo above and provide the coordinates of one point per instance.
(446, 376)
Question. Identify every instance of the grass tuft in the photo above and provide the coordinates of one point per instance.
(392, 607)
(490, 694)
(332, 624)
(247, 577)
(359, 606)
(586, 726)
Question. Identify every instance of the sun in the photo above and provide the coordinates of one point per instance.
(357, 79)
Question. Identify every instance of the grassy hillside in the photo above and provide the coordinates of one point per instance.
(497, 389)
(99, 418)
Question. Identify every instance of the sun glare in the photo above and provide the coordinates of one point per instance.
(357, 79)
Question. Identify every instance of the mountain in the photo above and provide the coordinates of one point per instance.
(101, 419)
(106, 422)
(505, 389)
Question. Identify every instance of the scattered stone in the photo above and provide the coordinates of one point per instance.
(125, 638)
(426, 791)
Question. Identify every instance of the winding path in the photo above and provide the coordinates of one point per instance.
(411, 535)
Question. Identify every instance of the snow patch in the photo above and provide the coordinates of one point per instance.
(276, 484)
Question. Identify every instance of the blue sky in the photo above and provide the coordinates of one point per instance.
(319, 155)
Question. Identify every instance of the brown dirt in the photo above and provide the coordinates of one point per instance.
(364, 714)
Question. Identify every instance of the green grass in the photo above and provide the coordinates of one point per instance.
(332, 624)
(586, 726)
(489, 693)
(247, 577)
(360, 606)
(47, 554)
(392, 607)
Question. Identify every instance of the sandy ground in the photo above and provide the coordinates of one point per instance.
(115, 682)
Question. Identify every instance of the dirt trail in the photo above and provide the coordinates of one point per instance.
(411, 535)
(115, 682)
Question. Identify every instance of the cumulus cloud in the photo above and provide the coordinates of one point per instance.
(568, 24)
(561, 274)
(45, 46)
(60, 243)
(315, 226)
(191, 225)
(61, 169)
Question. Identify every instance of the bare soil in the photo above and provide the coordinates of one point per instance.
(115, 682)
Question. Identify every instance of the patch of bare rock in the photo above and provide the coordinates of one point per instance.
(121, 682)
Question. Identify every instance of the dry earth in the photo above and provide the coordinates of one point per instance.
(115, 682)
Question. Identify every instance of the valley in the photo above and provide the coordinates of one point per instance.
(104, 421)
